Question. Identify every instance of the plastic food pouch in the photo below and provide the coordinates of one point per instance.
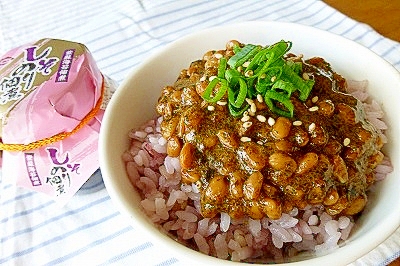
(52, 100)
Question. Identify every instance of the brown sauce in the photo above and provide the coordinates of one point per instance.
(260, 164)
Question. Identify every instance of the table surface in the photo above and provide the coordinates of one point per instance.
(383, 15)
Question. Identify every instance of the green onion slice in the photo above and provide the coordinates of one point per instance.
(222, 67)
(237, 99)
(232, 76)
(297, 67)
(237, 111)
(285, 86)
(273, 97)
(209, 89)
(247, 52)
(304, 86)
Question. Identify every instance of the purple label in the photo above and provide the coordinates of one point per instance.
(60, 174)
(31, 168)
(65, 65)
(21, 79)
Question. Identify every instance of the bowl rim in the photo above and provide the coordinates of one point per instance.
(348, 254)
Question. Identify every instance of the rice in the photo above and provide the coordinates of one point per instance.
(175, 207)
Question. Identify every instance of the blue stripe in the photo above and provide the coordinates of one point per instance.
(265, 16)
(91, 245)
(7, 186)
(349, 29)
(54, 219)
(19, 197)
(57, 238)
(29, 211)
(125, 254)
(168, 262)
(337, 24)
(312, 14)
(324, 18)
(361, 36)
(172, 11)
(376, 42)
(391, 49)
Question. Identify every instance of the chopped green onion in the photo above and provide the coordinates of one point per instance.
(247, 52)
(236, 49)
(232, 76)
(238, 100)
(263, 69)
(267, 73)
(222, 67)
(257, 59)
(262, 86)
(221, 92)
(251, 89)
(237, 111)
(210, 87)
(304, 86)
(284, 86)
(297, 67)
(272, 97)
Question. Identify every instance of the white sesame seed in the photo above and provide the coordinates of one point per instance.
(313, 109)
(247, 124)
(314, 99)
(218, 55)
(261, 118)
(263, 76)
(212, 77)
(222, 102)
(253, 108)
(245, 118)
(250, 112)
(245, 139)
(248, 73)
(249, 101)
(305, 76)
(346, 142)
(260, 98)
(297, 123)
(260, 142)
(273, 79)
(271, 121)
(210, 108)
(311, 127)
(203, 78)
(246, 64)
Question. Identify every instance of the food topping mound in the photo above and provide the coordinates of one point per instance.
(260, 131)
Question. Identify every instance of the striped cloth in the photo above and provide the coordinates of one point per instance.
(120, 34)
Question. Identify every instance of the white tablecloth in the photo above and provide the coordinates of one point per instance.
(120, 34)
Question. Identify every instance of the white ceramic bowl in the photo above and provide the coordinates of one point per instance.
(134, 103)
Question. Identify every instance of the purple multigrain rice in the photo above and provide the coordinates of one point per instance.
(175, 206)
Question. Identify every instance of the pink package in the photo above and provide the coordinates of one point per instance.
(52, 100)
